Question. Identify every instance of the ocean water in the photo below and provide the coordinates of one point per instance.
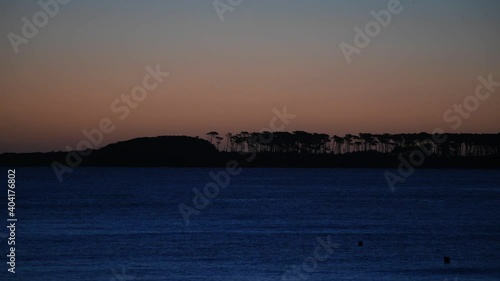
(267, 224)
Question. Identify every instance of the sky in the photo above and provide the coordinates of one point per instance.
(228, 70)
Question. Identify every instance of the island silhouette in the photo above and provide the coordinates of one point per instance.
(283, 149)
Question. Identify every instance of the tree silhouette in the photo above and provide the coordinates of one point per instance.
(211, 136)
(218, 141)
(318, 143)
(298, 148)
(228, 141)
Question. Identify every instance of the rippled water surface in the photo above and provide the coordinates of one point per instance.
(267, 224)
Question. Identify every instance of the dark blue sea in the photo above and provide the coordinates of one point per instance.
(266, 224)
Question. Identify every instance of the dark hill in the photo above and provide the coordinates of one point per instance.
(185, 151)
(178, 151)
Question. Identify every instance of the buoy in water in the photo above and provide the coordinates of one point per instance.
(360, 243)
(447, 259)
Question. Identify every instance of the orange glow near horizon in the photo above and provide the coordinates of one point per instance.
(228, 76)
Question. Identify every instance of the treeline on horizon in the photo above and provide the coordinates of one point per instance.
(279, 149)
(446, 144)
